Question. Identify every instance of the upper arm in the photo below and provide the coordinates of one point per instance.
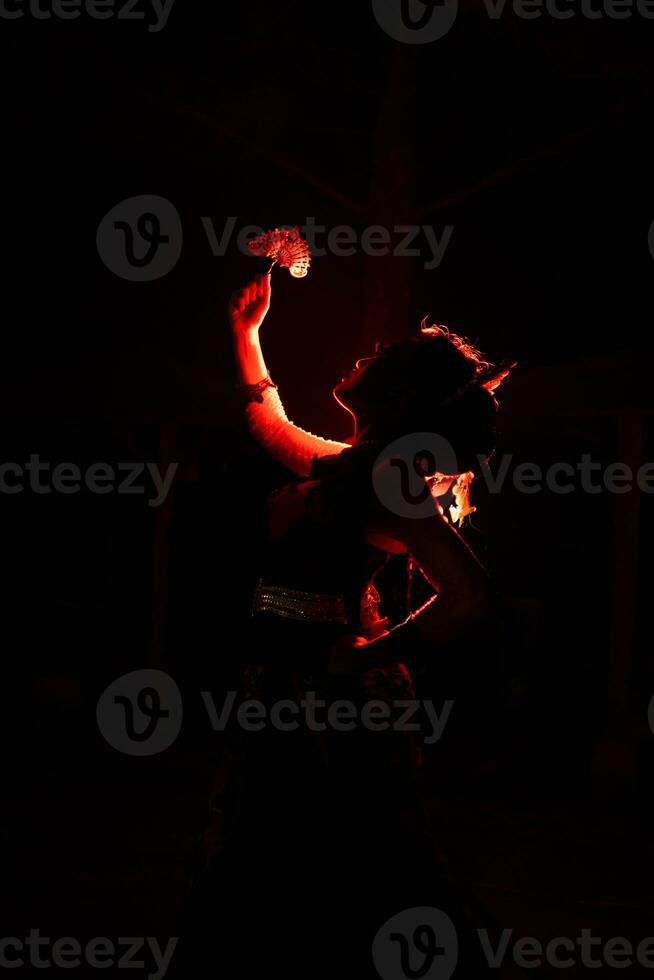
(288, 443)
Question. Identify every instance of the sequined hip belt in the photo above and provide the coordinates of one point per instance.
(308, 607)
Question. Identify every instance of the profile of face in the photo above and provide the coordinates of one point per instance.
(368, 384)
(370, 389)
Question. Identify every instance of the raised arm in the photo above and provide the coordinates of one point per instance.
(465, 599)
(465, 592)
(267, 420)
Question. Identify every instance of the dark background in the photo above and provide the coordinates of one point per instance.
(533, 139)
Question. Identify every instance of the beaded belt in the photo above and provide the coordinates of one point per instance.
(309, 607)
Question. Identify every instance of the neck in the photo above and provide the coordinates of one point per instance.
(365, 430)
(368, 432)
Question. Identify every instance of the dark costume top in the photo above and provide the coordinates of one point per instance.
(317, 578)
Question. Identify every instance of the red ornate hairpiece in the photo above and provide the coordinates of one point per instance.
(492, 377)
(489, 378)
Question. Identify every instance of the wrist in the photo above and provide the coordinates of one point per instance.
(245, 334)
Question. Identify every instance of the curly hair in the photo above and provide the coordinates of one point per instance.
(455, 386)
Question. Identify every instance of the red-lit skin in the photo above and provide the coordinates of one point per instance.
(439, 551)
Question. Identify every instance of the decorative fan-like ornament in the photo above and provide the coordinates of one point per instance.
(286, 248)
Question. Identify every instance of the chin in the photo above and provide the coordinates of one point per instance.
(340, 390)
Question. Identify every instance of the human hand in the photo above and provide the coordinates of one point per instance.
(248, 306)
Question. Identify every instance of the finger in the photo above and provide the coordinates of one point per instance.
(253, 292)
